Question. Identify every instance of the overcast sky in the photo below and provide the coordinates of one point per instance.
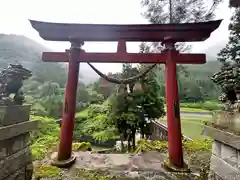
(14, 15)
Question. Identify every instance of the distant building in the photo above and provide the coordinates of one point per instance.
(235, 3)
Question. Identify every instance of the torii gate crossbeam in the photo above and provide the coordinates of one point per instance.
(169, 34)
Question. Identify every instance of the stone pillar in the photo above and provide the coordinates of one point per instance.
(225, 159)
(15, 153)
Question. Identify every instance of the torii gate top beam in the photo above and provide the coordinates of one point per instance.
(185, 32)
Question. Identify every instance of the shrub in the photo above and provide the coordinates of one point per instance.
(198, 145)
(95, 109)
(144, 145)
(45, 137)
(82, 146)
(161, 146)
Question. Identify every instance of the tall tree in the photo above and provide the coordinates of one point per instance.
(178, 11)
(231, 52)
(229, 76)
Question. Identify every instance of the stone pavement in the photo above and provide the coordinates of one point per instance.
(150, 161)
(144, 166)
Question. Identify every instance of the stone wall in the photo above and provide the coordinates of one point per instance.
(225, 159)
(15, 154)
(160, 132)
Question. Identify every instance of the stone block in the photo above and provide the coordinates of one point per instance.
(236, 123)
(10, 131)
(238, 159)
(12, 145)
(223, 118)
(24, 173)
(216, 148)
(222, 168)
(213, 176)
(18, 175)
(229, 154)
(14, 114)
(223, 136)
(15, 162)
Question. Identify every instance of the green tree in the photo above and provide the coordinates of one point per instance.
(130, 109)
(183, 11)
(228, 77)
(231, 52)
(97, 123)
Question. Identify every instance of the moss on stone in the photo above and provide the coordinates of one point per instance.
(47, 171)
(198, 145)
(101, 175)
(82, 146)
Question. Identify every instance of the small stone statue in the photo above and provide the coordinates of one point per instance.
(11, 81)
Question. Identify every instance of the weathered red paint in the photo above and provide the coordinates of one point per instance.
(180, 58)
(122, 33)
(68, 116)
(184, 32)
(173, 115)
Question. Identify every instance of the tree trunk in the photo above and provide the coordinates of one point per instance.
(134, 139)
(122, 144)
(129, 143)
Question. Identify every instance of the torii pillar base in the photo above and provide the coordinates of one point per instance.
(63, 163)
(171, 168)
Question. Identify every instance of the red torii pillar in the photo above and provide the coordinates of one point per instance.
(169, 34)
(69, 106)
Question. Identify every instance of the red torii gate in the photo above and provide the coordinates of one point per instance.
(168, 34)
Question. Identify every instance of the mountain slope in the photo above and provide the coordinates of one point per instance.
(20, 49)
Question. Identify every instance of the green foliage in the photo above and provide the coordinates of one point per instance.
(189, 146)
(82, 114)
(129, 110)
(207, 105)
(95, 98)
(143, 145)
(47, 172)
(97, 109)
(45, 137)
(94, 122)
(231, 51)
(206, 122)
(82, 146)
(198, 145)
(157, 12)
(100, 175)
(194, 85)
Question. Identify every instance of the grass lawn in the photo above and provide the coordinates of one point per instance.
(185, 109)
(191, 127)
